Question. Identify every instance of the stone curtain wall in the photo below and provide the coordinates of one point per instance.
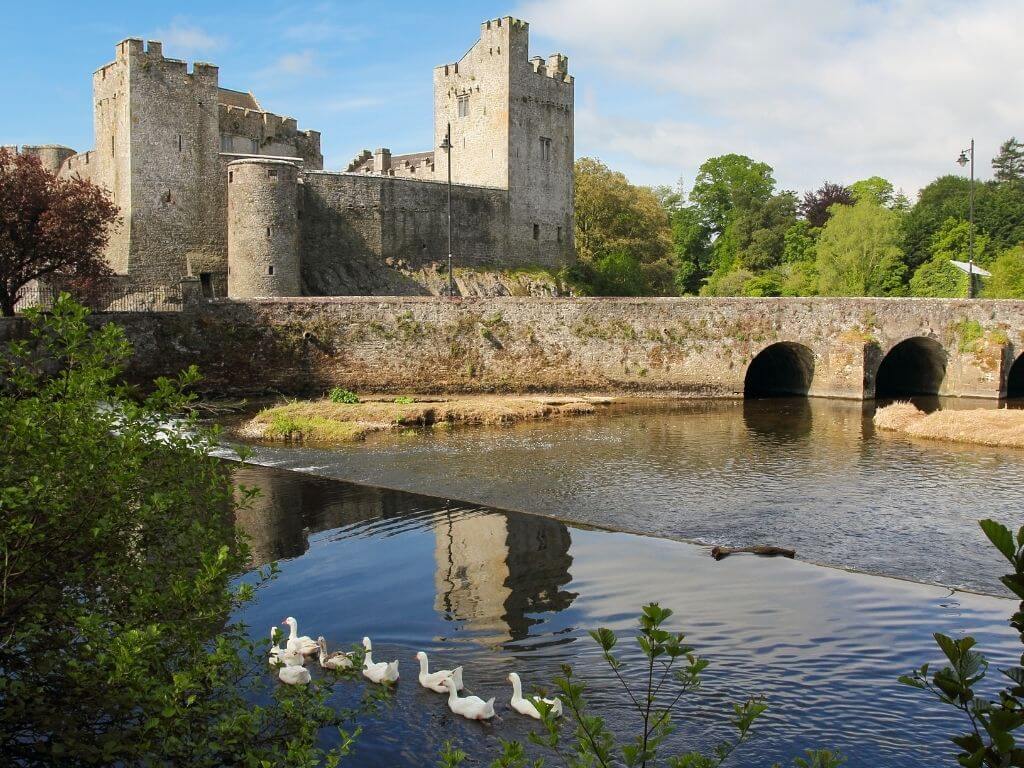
(358, 230)
(690, 347)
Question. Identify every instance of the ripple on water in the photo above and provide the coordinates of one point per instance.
(499, 592)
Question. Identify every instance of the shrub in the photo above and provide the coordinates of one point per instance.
(339, 395)
(404, 400)
(118, 555)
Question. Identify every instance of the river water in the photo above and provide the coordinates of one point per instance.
(504, 591)
(812, 475)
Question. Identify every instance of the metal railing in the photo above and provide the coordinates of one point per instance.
(106, 299)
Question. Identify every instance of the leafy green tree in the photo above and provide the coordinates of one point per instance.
(618, 223)
(798, 242)
(727, 183)
(799, 278)
(874, 189)
(118, 554)
(1007, 281)
(1000, 214)
(993, 724)
(1009, 163)
(757, 234)
(937, 277)
(946, 197)
(858, 252)
(691, 249)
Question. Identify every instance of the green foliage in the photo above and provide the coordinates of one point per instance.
(118, 554)
(728, 283)
(992, 724)
(798, 242)
(1007, 281)
(728, 183)
(405, 400)
(619, 226)
(874, 189)
(938, 278)
(1009, 163)
(669, 670)
(691, 249)
(341, 395)
(755, 237)
(970, 333)
(858, 252)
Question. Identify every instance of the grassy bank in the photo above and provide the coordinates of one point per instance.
(326, 421)
(998, 428)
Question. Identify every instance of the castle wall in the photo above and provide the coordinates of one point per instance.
(356, 227)
(51, 156)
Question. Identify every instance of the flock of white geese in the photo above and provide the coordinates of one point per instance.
(290, 664)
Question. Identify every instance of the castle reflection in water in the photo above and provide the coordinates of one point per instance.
(494, 573)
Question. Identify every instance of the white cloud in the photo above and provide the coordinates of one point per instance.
(838, 90)
(184, 40)
(293, 64)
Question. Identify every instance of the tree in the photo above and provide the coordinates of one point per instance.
(798, 242)
(728, 183)
(758, 233)
(815, 205)
(947, 196)
(691, 249)
(616, 217)
(48, 226)
(1009, 163)
(1007, 281)
(858, 252)
(874, 189)
(118, 556)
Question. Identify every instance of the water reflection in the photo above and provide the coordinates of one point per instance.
(500, 591)
(493, 572)
(810, 474)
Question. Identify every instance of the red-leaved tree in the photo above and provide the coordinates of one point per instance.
(49, 227)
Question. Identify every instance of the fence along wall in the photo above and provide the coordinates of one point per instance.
(690, 347)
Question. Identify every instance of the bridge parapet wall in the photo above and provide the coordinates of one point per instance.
(681, 346)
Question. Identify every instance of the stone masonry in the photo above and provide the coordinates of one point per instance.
(678, 346)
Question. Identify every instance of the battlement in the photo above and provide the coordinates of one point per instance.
(504, 25)
(150, 54)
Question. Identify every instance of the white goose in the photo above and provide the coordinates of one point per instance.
(526, 706)
(378, 672)
(279, 655)
(435, 680)
(336, 660)
(470, 707)
(293, 675)
(305, 644)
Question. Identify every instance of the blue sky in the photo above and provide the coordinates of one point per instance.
(834, 90)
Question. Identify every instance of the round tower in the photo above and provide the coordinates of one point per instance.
(52, 156)
(263, 228)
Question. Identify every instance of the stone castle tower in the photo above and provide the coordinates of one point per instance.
(211, 186)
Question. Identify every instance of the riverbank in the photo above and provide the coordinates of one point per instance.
(325, 421)
(1000, 428)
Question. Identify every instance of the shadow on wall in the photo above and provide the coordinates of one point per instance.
(785, 369)
(1015, 379)
(916, 366)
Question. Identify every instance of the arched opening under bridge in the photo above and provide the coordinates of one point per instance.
(916, 366)
(785, 369)
(1015, 379)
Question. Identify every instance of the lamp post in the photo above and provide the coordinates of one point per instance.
(967, 156)
(446, 145)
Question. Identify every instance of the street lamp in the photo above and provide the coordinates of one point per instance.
(446, 145)
(967, 156)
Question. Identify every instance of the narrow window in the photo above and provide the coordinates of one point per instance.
(545, 148)
(268, 231)
(206, 281)
(536, 231)
(111, 144)
(179, 142)
(270, 269)
(463, 106)
(559, 234)
(167, 196)
(231, 176)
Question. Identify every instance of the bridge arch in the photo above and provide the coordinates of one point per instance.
(1015, 379)
(915, 366)
(784, 369)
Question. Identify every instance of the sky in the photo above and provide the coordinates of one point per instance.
(834, 90)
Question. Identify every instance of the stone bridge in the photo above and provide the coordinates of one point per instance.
(856, 348)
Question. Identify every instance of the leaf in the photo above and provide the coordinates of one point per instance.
(1000, 536)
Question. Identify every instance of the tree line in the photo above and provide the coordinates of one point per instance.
(736, 234)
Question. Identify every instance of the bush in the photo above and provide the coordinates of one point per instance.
(118, 554)
(404, 400)
(339, 395)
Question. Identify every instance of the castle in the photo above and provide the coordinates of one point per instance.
(213, 187)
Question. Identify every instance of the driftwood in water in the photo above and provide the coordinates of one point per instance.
(719, 552)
